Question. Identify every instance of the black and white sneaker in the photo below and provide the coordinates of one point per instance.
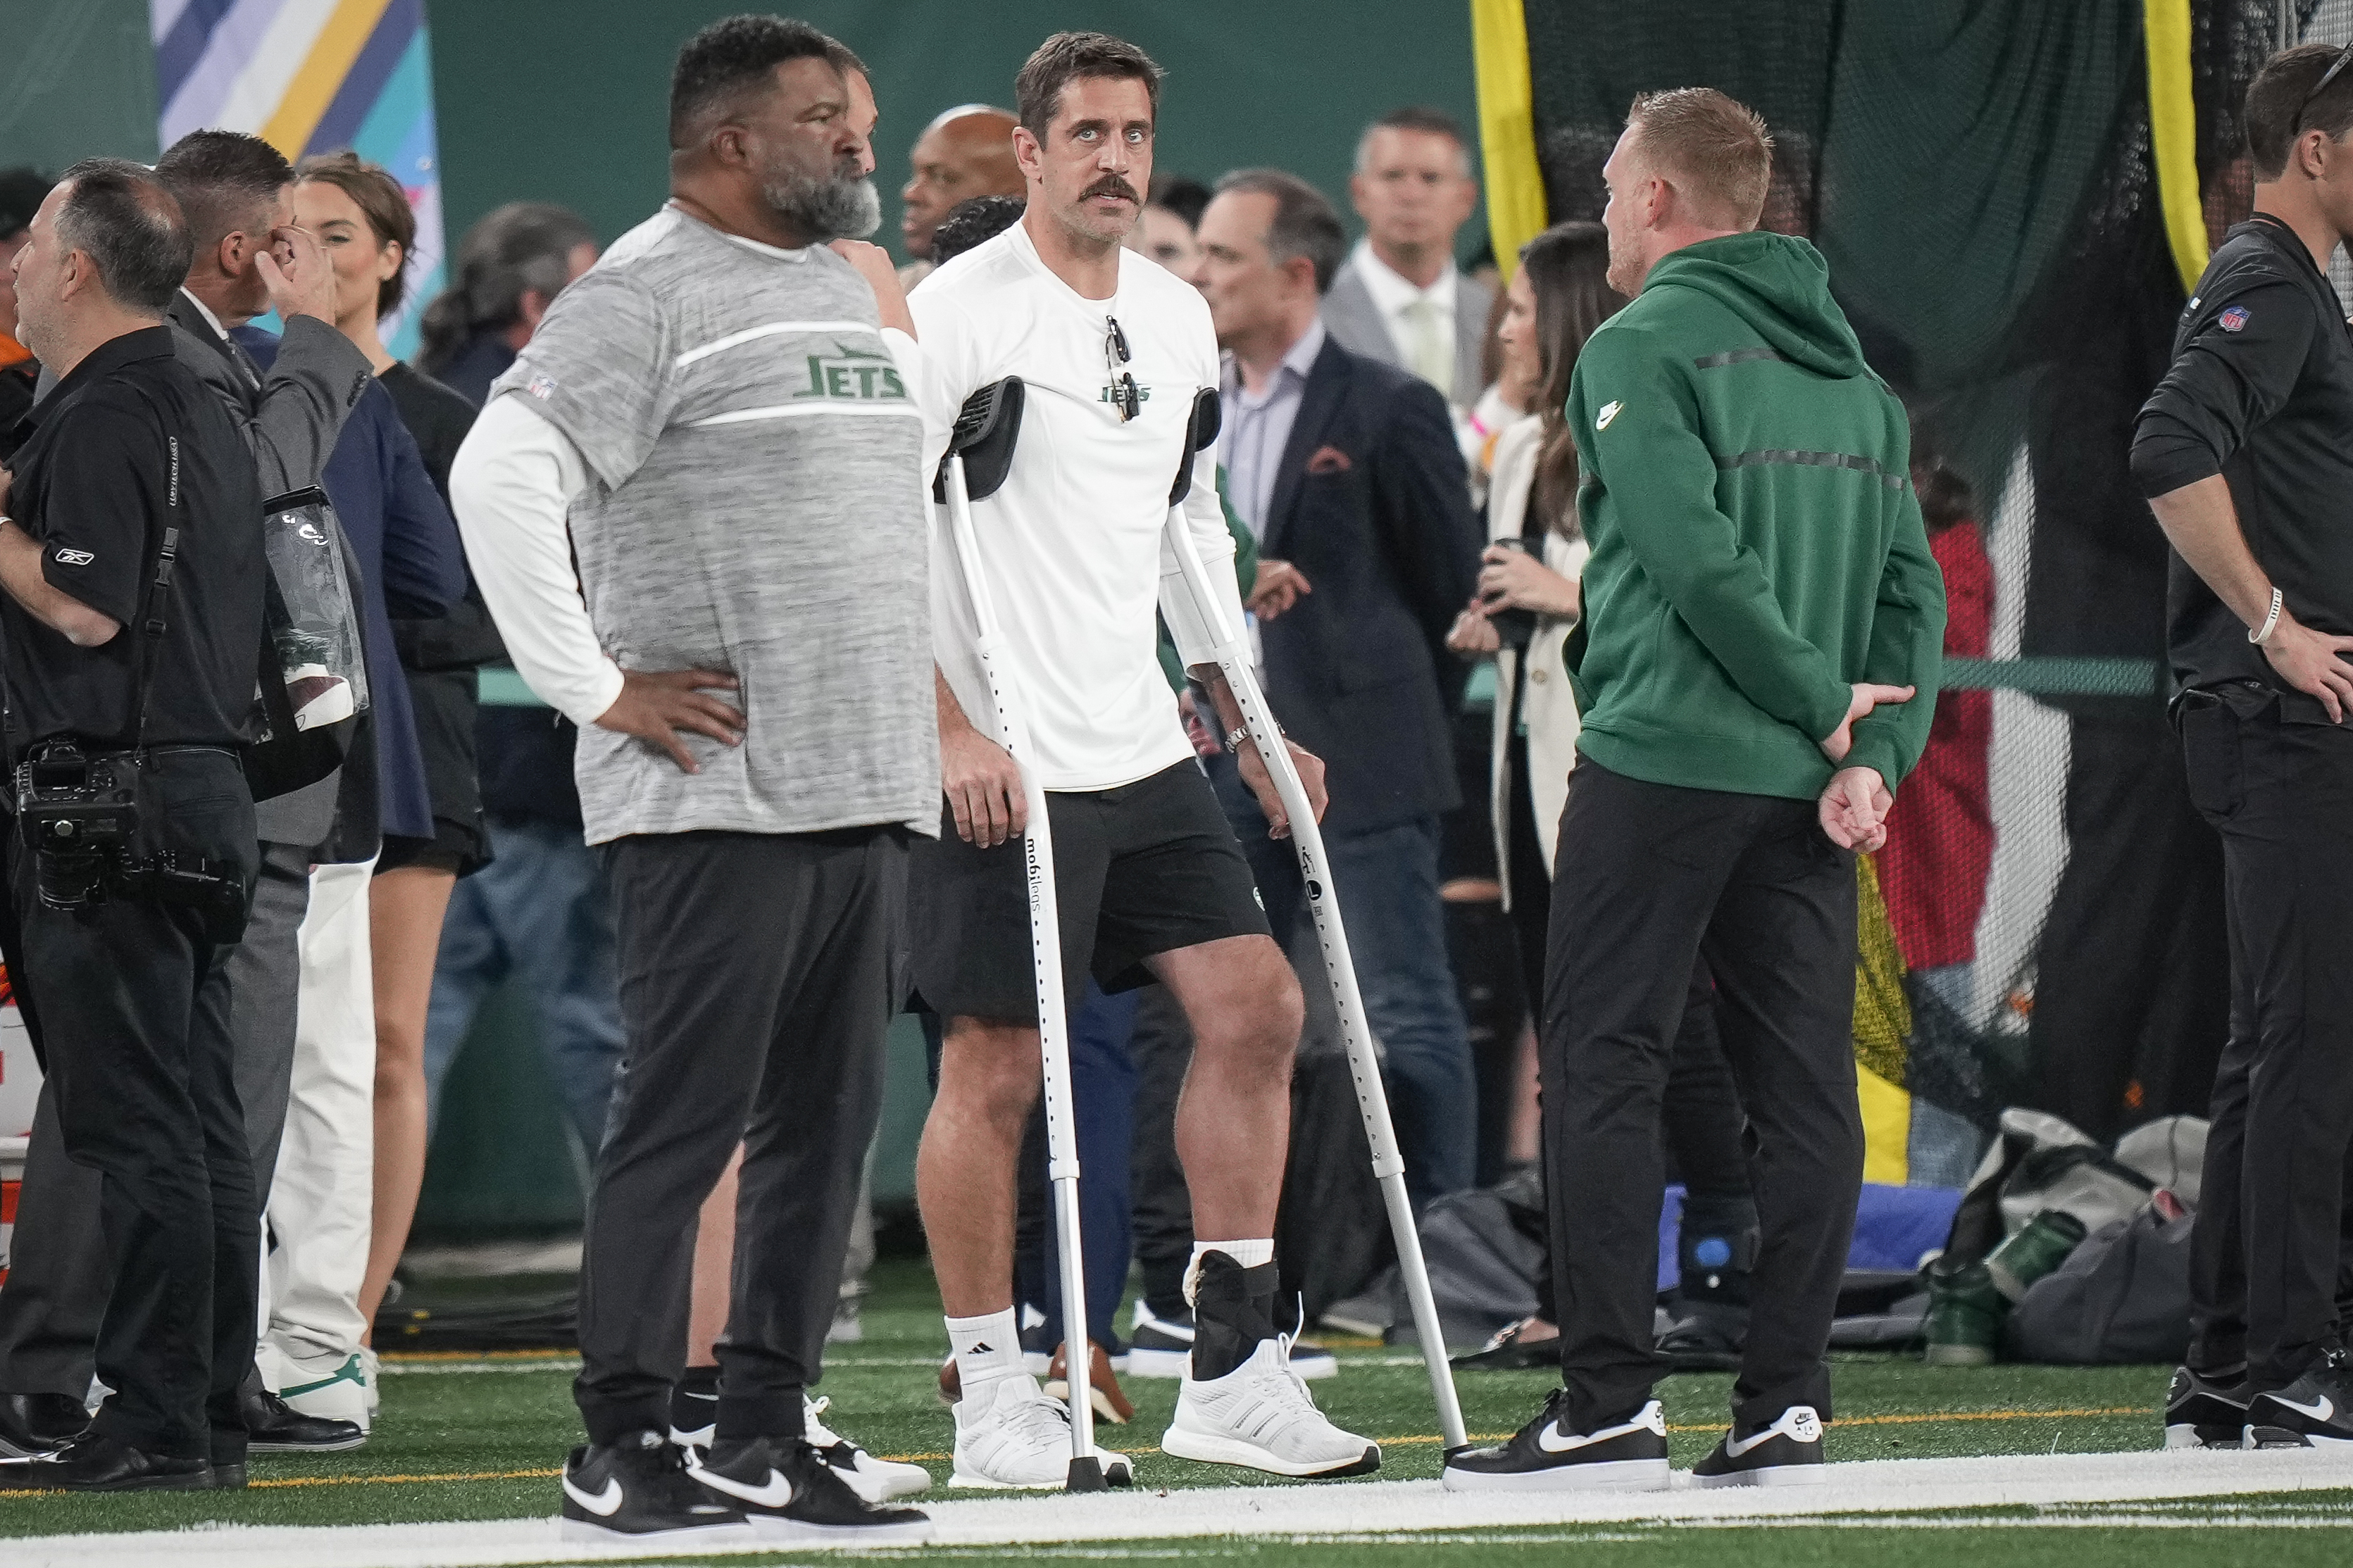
(1547, 1456)
(638, 1489)
(2315, 1411)
(1158, 1346)
(1786, 1453)
(787, 1491)
(2205, 1413)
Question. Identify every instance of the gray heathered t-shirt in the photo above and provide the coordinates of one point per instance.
(756, 507)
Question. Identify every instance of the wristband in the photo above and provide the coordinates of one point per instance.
(2263, 633)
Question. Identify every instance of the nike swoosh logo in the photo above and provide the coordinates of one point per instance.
(2320, 1409)
(1806, 1428)
(775, 1492)
(602, 1504)
(707, 1398)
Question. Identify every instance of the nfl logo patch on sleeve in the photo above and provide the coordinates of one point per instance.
(542, 387)
(2232, 320)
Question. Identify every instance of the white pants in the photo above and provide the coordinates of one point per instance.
(323, 1199)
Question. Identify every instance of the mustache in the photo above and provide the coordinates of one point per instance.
(1111, 186)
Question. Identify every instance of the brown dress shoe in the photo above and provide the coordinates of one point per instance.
(1104, 1391)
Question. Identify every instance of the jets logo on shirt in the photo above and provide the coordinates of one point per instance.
(852, 375)
(1608, 412)
(1110, 392)
(2234, 320)
(75, 557)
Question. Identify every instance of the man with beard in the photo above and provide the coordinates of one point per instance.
(713, 422)
(1150, 882)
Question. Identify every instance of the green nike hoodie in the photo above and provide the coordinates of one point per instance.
(1757, 544)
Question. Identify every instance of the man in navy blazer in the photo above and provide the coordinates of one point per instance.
(1347, 471)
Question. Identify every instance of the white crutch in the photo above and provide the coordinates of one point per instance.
(980, 452)
(1233, 657)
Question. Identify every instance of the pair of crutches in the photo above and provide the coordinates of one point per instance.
(979, 456)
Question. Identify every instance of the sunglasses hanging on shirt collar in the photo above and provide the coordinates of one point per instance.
(1122, 392)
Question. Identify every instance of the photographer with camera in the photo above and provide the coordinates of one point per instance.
(130, 553)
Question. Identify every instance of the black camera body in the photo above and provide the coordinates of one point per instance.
(80, 814)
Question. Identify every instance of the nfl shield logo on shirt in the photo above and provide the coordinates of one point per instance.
(542, 387)
(2232, 320)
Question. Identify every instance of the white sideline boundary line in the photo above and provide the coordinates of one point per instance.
(1902, 1489)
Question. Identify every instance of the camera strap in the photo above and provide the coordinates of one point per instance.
(152, 624)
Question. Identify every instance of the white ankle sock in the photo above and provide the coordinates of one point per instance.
(1248, 1254)
(986, 1348)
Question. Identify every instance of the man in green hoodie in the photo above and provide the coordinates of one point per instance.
(1757, 674)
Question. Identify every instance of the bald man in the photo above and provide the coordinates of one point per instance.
(966, 152)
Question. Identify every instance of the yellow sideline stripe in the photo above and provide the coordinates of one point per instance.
(314, 87)
(2173, 135)
(1398, 1442)
(1507, 127)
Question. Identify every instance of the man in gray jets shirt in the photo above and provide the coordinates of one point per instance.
(715, 416)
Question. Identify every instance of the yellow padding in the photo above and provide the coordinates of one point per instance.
(2173, 134)
(1507, 127)
(1886, 1128)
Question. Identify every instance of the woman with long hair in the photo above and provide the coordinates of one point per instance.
(509, 269)
(363, 221)
(1529, 604)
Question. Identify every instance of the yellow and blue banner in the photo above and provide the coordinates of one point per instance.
(315, 76)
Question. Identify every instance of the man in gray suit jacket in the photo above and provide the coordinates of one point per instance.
(249, 258)
(1399, 298)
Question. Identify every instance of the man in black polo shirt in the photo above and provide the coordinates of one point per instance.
(130, 459)
(2245, 451)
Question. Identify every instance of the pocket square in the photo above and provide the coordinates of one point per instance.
(1329, 460)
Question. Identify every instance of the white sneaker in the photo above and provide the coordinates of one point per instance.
(331, 1387)
(1260, 1416)
(372, 1368)
(1011, 1434)
(876, 1480)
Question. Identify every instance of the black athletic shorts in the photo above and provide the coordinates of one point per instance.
(1143, 868)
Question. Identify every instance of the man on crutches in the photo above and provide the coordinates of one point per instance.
(1148, 879)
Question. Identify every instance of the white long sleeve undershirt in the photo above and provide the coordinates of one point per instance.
(512, 485)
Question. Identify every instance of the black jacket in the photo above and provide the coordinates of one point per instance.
(1373, 504)
(2261, 392)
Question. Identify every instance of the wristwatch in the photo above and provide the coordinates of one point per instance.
(1241, 732)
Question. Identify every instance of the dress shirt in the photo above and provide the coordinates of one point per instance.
(1397, 296)
(1256, 427)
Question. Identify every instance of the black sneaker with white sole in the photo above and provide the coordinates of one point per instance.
(2315, 1411)
(638, 1488)
(1160, 1346)
(1788, 1452)
(787, 1491)
(2205, 1412)
(1545, 1455)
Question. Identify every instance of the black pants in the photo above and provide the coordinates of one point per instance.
(1700, 1115)
(759, 975)
(135, 1011)
(1665, 877)
(1162, 1204)
(56, 1295)
(2266, 1252)
(2130, 1008)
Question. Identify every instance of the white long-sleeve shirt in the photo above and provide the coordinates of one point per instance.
(1071, 547)
(512, 484)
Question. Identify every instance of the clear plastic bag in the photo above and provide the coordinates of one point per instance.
(314, 624)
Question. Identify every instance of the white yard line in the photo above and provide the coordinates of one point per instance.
(1902, 1489)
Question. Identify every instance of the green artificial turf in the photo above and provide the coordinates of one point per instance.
(463, 1444)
